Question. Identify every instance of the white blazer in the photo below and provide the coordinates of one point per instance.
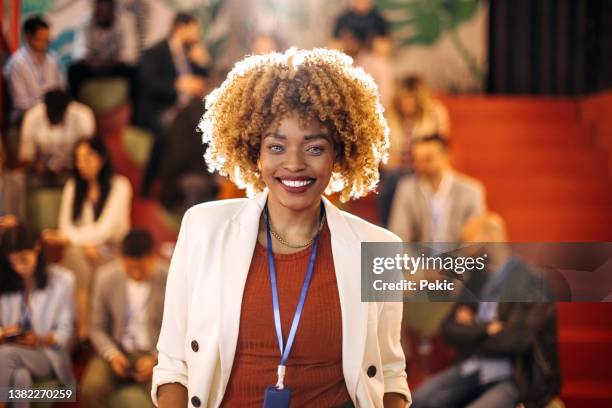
(204, 291)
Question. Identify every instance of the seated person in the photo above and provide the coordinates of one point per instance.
(434, 204)
(506, 350)
(415, 114)
(36, 313)
(12, 192)
(185, 181)
(94, 217)
(101, 50)
(48, 134)
(126, 319)
(32, 70)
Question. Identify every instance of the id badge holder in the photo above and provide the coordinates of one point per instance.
(276, 398)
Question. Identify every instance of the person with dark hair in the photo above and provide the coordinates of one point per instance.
(32, 70)
(101, 50)
(434, 204)
(36, 313)
(94, 217)
(172, 73)
(414, 114)
(48, 134)
(362, 33)
(126, 318)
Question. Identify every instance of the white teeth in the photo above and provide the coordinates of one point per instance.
(296, 183)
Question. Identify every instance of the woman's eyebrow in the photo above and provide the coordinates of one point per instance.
(276, 136)
(317, 136)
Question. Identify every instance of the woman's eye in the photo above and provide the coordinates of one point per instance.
(316, 149)
(275, 148)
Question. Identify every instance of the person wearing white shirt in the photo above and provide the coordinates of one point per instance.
(434, 204)
(94, 218)
(32, 70)
(48, 134)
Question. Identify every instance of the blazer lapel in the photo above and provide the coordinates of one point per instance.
(346, 250)
(239, 239)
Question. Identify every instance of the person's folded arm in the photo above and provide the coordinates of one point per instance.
(461, 335)
(518, 334)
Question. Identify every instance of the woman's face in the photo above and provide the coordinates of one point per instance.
(408, 103)
(24, 262)
(88, 162)
(296, 164)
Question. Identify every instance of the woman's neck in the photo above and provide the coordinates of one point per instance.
(294, 226)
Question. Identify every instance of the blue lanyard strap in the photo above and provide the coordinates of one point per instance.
(298, 312)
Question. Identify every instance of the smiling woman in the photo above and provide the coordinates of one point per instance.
(282, 322)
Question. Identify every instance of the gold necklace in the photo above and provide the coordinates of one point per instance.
(288, 244)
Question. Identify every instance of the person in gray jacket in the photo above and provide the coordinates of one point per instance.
(36, 314)
(434, 204)
(126, 319)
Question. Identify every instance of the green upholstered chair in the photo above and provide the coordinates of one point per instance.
(104, 94)
(44, 207)
(130, 396)
(137, 143)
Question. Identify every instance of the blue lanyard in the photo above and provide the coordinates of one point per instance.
(298, 312)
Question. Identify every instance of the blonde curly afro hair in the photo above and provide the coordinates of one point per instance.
(318, 84)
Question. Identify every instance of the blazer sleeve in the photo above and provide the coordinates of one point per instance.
(171, 360)
(392, 355)
(63, 328)
(100, 317)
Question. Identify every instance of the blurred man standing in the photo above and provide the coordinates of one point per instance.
(434, 204)
(172, 73)
(32, 70)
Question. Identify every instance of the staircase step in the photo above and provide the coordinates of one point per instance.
(587, 393)
(533, 162)
(548, 191)
(556, 225)
(479, 107)
(588, 347)
(496, 135)
(585, 314)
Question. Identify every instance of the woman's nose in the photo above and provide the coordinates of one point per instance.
(294, 161)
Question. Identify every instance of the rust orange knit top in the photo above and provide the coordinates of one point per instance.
(314, 368)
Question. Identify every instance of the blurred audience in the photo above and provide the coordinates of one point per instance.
(185, 180)
(265, 43)
(434, 204)
(363, 20)
(36, 314)
(415, 114)
(357, 32)
(32, 70)
(100, 50)
(126, 319)
(48, 134)
(172, 73)
(506, 350)
(12, 192)
(94, 218)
